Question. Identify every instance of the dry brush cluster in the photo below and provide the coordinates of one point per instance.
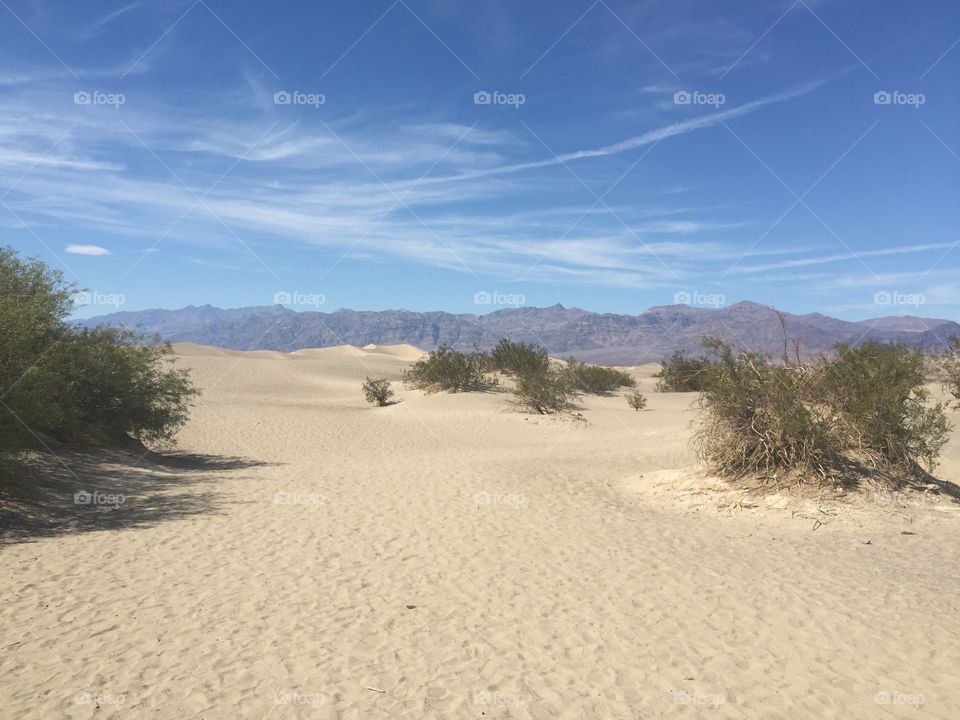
(865, 408)
(539, 384)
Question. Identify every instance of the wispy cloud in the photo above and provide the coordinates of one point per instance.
(93, 250)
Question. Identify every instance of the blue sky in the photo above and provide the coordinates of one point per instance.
(463, 156)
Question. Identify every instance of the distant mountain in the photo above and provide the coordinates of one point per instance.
(597, 337)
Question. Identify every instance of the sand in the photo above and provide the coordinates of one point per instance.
(306, 555)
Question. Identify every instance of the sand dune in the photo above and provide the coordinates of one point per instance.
(451, 557)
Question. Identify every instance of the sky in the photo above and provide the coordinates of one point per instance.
(465, 156)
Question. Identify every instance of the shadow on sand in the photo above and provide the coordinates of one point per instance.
(83, 489)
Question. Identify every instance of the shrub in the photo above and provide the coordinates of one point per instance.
(951, 368)
(549, 390)
(103, 385)
(377, 390)
(865, 405)
(757, 417)
(596, 380)
(517, 358)
(880, 391)
(682, 374)
(450, 370)
(636, 400)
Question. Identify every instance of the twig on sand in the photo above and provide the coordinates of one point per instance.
(378, 690)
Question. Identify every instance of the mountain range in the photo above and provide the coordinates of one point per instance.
(604, 338)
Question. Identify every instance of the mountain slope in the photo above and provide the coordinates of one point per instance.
(598, 337)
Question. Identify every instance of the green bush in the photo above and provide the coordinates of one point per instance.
(680, 373)
(636, 400)
(758, 417)
(951, 368)
(879, 390)
(546, 391)
(451, 370)
(103, 385)
(517, 358)
(597, 380)
(378, 391)
(865, 406)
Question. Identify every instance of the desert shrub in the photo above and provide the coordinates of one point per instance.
(636, 400)
(680, 373)
(758, 417)
(864, 405)
(879, 390)
(517, 358)
(56, 380)
(596, 380)
(377, 390)
(951, 368)
(546, 391)
(450, 370)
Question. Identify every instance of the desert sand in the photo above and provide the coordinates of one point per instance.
(302, 554)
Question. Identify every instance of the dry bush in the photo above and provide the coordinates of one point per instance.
(517, 358)
(546, 391)
(866, 405)
(451, 370)
(679, 373)
(951, 368)
(636, 400)
(595, 379)
(377, 391)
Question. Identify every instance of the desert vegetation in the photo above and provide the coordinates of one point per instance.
(636, 400)
(951, 368)
(377, 391)
(99, 385)
(595, 379)
(680, 373)
(518, 359)
(452, 371)
(546, 391)
(862, 409)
